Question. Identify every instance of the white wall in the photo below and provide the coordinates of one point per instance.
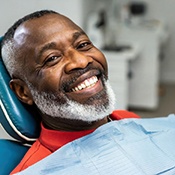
(165, 11)
(12, 10)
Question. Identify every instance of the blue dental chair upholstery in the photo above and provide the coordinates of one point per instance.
(18, 120)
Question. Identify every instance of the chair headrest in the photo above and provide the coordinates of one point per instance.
(19, 120)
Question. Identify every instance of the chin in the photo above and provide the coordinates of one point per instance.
(95, 108)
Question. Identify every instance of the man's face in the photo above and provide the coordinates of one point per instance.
(61, 65)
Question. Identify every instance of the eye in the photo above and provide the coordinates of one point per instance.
(52, 60)
(84, 45)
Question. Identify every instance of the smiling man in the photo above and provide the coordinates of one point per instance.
(54, 66)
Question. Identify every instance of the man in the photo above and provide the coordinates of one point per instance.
(54, 65)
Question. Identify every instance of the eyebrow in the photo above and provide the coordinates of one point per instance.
(47, 46)
(76, 35)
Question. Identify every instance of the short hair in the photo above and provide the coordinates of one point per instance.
(8, 52)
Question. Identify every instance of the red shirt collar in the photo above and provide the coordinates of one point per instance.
(53, 139)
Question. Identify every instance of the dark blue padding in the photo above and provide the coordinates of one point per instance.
(19, 120)
(11, 154)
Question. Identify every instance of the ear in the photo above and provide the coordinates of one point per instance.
(21, 90)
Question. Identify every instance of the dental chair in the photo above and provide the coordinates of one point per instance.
(19, 121)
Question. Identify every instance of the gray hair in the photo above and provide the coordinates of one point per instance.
(9, 56)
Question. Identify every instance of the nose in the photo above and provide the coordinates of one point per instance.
(77, 60)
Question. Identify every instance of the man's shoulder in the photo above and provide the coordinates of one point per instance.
(36, 153)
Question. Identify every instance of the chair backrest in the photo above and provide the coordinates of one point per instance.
(16, 118)
(11, 153)
(19, 121)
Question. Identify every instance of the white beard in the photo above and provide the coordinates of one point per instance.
(72, 109)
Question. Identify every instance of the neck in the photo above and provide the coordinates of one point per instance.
(61, 124)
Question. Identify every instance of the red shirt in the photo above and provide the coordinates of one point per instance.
(51, 140)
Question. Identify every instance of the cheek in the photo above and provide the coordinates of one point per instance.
(104, 62)
(100, 58)
(49, 80)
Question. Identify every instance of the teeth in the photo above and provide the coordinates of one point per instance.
(87, 83)
(83, 85)
(79, 87)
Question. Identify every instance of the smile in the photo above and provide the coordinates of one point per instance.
(86, 84)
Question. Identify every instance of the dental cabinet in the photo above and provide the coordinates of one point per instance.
(144, 83)
(119, 73)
